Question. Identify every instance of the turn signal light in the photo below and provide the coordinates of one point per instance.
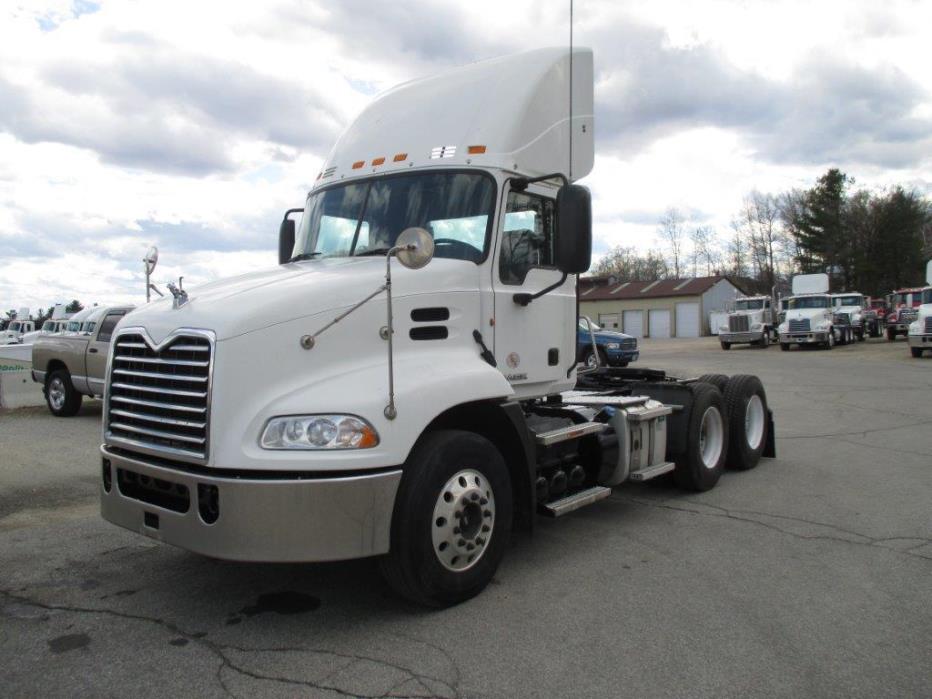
(475, 150)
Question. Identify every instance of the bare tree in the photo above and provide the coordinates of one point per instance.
(705, 250)
(672, 232)
(737, 252)
(629, 265)
(760, 223)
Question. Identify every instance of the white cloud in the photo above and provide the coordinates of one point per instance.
(195, 124)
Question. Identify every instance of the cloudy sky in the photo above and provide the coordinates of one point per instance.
(194, 124)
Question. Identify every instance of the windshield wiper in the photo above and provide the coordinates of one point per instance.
(373, 251)
(305, 256)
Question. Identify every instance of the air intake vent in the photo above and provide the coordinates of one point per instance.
(430, 315)
(928, 325)
(158, 401)
(429, 332)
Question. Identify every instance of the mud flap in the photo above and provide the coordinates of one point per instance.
(770, 447)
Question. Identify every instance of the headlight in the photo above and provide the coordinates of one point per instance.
(823, 325)
(612, 345)
(318, 432)
(914, 328)
(782, 328)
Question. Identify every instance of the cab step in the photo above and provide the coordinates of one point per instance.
(564, 506)
(565, 434)
(645, 474)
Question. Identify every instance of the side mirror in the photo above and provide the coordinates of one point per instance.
(573, 244)
(415, 248)
(286, 237)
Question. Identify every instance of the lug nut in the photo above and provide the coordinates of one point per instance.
(487, 513)
(458, 514)
(485, 527)
(469, 547)
(483, 501)
(474, 496)
(479, 541)
(461, 542)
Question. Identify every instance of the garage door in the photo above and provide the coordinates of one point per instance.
(609, 321)
(687, 320)
(659, 322)
(633, 323)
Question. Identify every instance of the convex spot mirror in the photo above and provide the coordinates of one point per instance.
(573, 244)
(151, 259)
(417, 248)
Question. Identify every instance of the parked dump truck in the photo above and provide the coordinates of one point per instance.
(72, 365)
(810, 316)
(920, 330)
(423, 397)
(750, 322)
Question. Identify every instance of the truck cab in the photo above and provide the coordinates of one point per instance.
(851, 309)
(750, 322)
(810, 317)
(904, 304)
(13, 335)
(404, 383)
(919, 336)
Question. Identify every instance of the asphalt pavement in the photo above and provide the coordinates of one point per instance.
(810, 576)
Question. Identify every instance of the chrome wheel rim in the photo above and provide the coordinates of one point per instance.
(592, 361)
(464, 520)
(711, 437)
(57, 393)
(754, 421)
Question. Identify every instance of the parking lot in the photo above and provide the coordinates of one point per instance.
(808, 576)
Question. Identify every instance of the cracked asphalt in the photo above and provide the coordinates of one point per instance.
(808, 576)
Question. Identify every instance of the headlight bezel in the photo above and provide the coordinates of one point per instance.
(350, 432)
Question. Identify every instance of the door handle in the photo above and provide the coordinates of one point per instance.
(93, 350)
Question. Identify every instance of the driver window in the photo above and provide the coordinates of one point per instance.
(527, 236)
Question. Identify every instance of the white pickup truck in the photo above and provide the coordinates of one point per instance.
(919, 336)
(404, 383)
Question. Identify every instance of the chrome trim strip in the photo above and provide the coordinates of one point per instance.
(156, 404)
(160, 375)
(152, 389)
(157, 433)
(146, 448)
(170, 362)
(184, 455)
(156, 418)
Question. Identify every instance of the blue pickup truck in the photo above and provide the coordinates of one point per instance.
(614, 348)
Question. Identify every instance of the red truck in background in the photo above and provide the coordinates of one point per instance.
(903, 311)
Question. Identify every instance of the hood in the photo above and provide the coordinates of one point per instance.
(809, 313)
(848, 309)
(609, 336)
(257, 300)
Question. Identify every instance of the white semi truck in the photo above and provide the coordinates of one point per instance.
(851, 309)
(404, 384)
(810, 316)
(750, 322)
(919, 336)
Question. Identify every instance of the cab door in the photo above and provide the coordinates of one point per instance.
(535, 344)
(97, 351)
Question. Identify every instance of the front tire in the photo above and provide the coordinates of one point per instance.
(594, 359)
(891, 335)
(452, 519)
(701, 465)
(61, 396)
(726, 345)
(785, 346)
(830, 341)
(916, 352)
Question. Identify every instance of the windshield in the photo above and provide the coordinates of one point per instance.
(583, 326)
(849, 300)
(366, 217)
(809, 302)
(14, 326)
(927, 296)
(749, 305)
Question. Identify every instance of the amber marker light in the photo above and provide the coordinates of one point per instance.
(475, 150)
(358, 164)
(400, 157)
(378, 161)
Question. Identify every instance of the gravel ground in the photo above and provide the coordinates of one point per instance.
(808, 576)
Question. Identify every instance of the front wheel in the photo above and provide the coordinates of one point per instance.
(594, 359)
(830, 342)
(785, 346)
(60, 394)
(765, 340)
(452, 519)
(916, 351)
(891, 334)
(726, 345)
(700, 466)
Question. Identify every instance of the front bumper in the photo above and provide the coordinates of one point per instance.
(621, 356)
(804, 338)
(287, 519)
(736, 338)
(923, 341)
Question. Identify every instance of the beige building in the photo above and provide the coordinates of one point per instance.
(664, 308)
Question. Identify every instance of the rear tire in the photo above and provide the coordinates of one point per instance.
(916, 351)
(60, 394)
(746, 405)
(701, 465)
(717, 380)
(785, 346)
(765, 339)
(451, 477)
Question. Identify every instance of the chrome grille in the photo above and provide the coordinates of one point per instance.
(738, 323)
(908, 315)
(799, 326)
(629, 343)
(159, 400)
(928, 325)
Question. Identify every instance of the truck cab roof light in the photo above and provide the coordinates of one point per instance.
(358, 164)
(378, 161)
(400, 157)
(475, 150)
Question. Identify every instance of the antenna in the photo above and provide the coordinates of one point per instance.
(571, 91)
